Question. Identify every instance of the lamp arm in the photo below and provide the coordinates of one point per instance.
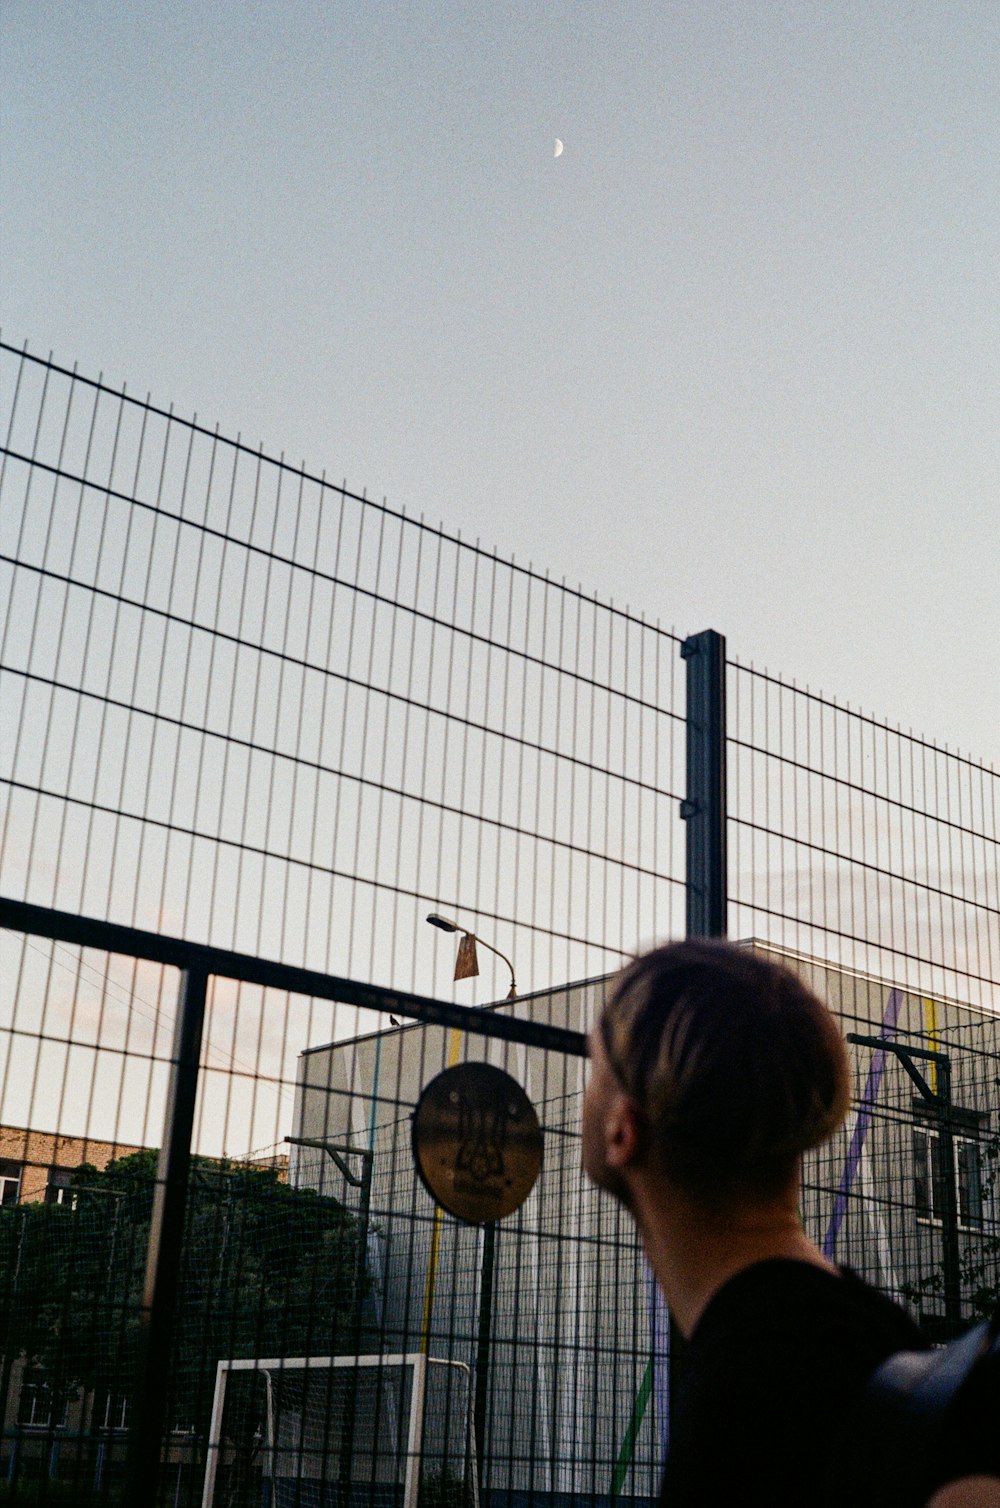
(491, 949)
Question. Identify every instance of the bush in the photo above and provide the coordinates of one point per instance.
(444, 1489)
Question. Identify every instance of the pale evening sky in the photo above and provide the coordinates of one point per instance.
(732, 358)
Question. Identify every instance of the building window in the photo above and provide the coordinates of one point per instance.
(116, 1412)
(40, 1408)
(970, 1189)
(10, 1181)
(930, 1174)
(57, 1190)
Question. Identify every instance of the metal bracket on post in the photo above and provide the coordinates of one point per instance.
(166, 1235)
(704, 810)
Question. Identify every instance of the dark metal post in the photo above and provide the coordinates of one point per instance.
(364, 1220)
(166, 1234)
(483, 1350)
(950, 1261)
(704, 810)
(9, 1354)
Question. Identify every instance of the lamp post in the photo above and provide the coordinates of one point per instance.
(467, 951)
(467, 965)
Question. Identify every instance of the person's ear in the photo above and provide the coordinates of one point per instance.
(623, 1132)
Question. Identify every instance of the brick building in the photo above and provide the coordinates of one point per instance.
(37, 1165)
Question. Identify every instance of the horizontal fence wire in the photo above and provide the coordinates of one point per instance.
(861, 844)
(255, 709)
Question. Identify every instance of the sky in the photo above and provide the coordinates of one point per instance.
(731, 359)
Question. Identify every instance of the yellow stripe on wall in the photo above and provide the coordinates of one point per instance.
(931, 1031)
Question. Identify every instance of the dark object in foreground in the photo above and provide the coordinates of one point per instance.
(934, 1416)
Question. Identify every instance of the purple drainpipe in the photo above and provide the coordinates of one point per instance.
(864, 1119)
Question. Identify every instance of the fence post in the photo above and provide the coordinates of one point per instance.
(704, 810)
(166, 1235)
(483, 1353)
(950, 1255)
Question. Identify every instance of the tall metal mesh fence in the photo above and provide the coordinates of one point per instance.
(246, 707)
(861, 844)
(249, 707)
(870, 859)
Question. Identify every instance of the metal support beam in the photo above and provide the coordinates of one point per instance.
(483, 1353)
(944, 1112)
(112, 937)
(950, 1257)
(166, 1236)
(704, 810)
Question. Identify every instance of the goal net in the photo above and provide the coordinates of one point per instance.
(368, 1431)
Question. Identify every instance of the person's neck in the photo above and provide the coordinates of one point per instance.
(693, 1250)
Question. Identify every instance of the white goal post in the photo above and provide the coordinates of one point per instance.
(407, 1461)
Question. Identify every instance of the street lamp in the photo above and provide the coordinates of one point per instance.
(467, 964)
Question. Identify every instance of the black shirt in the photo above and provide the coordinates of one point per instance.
(772, 1376)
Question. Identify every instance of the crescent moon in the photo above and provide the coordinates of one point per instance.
(559, 148)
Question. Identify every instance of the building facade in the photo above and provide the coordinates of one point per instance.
(556, 1316)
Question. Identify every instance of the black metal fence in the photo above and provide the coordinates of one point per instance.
(125, 1298)
(249, 710)
(869, 857)
(249, 707)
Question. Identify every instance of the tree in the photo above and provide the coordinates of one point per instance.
(266, 1270)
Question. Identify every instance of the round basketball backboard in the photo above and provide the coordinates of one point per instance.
(477, 1142)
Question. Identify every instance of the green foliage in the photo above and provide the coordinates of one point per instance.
(444, 1489)
(266, 1270)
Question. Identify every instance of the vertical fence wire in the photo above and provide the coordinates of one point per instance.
(251, 708)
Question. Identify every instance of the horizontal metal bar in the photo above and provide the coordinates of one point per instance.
(899, 1047)
(155, 947)
(333, 1151)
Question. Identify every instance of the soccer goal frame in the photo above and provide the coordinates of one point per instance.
(415, 1427)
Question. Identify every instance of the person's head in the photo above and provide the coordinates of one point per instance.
(715, 1068)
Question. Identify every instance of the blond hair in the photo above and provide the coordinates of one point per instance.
(737, 1067)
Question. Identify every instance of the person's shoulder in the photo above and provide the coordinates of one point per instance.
(764, 1387)
(806, 1303)
(865, 1300)
(775, 1369)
